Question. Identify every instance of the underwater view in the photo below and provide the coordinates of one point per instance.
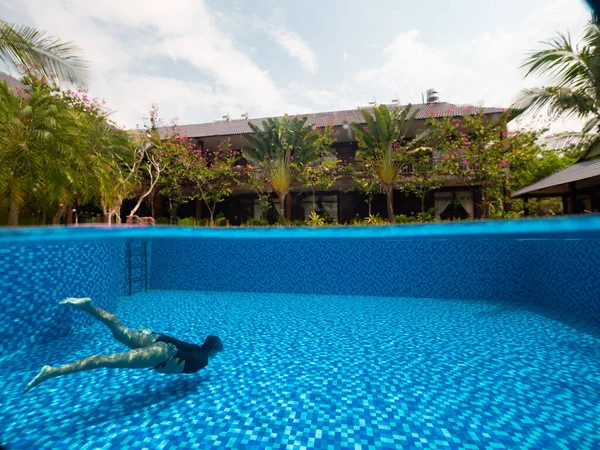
(327, 337)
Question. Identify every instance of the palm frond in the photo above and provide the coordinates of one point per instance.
(558, 100)
(26, 46)
(563, 62)
(591, 35)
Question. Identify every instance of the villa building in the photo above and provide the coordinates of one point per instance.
(340, 202)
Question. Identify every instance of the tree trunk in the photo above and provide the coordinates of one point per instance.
(172, 219)
(211, 213)
(314, 202)
(423, 201)
(390, 203)
(484, 204)
(59, 214)
(148, 192)
(370, 202)
(13, 214)
(282, 207)
(69, 212)
(105, 215)
(151, 200)
(506, 200)
(116, 213)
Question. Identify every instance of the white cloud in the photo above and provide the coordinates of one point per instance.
(483, 68)
(121, 39)
(130, 44)
(294, 45)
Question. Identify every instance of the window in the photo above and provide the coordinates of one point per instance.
(327, 206)
(346, 152)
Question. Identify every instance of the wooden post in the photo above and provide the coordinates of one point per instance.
(572, 199)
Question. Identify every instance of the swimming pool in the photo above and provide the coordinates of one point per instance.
(471, 335)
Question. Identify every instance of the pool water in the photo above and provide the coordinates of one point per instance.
(302, 371)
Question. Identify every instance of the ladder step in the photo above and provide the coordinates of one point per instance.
(137, 261)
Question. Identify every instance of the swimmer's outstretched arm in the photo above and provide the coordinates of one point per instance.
(140, 358)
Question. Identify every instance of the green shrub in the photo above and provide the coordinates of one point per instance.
(220, 221)
(327, 218)
(162, 221)
(501, 214)
(426, 216)
(187, 222)
(294, 223)
(402, 218)
(357, 221)
(375, 220)
(314, 220)
(257, 223)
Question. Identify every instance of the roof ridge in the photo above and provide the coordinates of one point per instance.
(340, 111)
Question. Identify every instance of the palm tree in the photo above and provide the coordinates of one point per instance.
(278, 147)
(55, 152)
(377, 141)
(23, 46)
(108, 151)
(36, 138)
(574, 71)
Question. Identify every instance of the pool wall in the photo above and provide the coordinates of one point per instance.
(561, 274)
(34, 277)
(440, 268)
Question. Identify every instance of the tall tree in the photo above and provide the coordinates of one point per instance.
(366, 180)
(58, 148)
(279, 146)
(152, 145)
(377, 140)
(102, 148)
(574, 72)
(322, 173)
(212, 174)
(37, 140)
(425, 175)
(25, 47)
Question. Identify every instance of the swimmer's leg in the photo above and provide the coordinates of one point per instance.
(140, 358)
(124, 335)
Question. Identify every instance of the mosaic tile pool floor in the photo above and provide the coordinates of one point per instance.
(318, 372)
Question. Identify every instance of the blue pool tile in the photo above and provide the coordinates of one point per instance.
(319, 371)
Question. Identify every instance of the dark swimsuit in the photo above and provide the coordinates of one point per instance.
(194, 356)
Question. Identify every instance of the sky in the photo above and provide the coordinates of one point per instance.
(201, 59)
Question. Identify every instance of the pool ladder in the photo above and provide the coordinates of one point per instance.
(137, 264)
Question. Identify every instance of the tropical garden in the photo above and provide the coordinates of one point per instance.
(62, 159)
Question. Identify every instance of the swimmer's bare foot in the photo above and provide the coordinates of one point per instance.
(42, 376)
(76, 302)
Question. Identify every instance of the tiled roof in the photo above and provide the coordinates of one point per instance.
(577, 172)
(11, 81)
(336, 118)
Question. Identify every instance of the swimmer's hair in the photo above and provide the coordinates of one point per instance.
(213, 343)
